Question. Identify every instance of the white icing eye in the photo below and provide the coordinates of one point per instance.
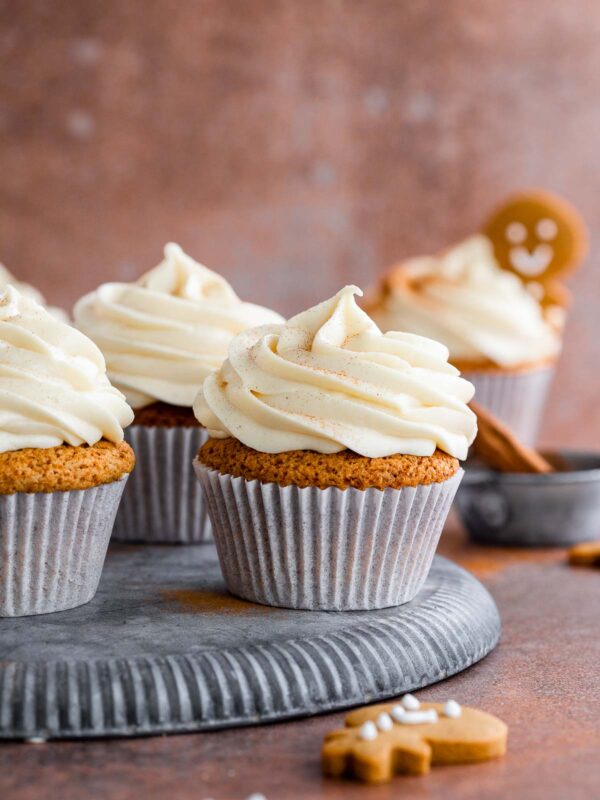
(516, 232)
(546, 229)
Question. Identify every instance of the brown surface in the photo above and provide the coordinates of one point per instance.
(540, 680)
(306, 468)
(165, 415)
(499, 448)
(295, 145)
(64, 468)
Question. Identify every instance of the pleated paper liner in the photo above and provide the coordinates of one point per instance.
(53, 546)
(325, 549)
(163, 501)
(518, 398)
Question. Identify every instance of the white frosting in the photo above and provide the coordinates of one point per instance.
(452, 709)
(410, 702)
(330, 380)
(384, 722)
(162, 335)
(53, 383)
(368, 731)
(8, 279)
(464, 299)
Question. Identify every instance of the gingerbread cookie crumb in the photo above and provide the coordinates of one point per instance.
(586, 554)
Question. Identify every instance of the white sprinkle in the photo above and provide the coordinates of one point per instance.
(452, 709)
(410, 702)
(417, 717)
(36, 740)
(256, 796)
(384, 722)
(368, 731)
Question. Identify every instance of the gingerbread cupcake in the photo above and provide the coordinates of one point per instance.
(63, 461)
(333, 459)
(497, 302)
(499, 335)
(161, 336)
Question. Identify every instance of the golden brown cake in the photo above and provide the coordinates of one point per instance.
(64, 468)
(342, 470)
(165, 415)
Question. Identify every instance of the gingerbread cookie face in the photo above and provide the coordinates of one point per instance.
(538, 236)
(408, 737)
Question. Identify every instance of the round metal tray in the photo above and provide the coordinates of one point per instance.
(163, 648)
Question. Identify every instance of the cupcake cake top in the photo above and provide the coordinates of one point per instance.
(463, 298)
(163, 334)
(329, 380)
(53, 384)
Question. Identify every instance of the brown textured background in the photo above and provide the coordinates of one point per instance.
(294, 145)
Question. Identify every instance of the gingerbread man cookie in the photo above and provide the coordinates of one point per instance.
(408, 737)
(540, 237)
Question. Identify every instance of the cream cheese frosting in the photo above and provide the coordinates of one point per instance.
(329, 380)
(464, 299)
(53, 383)
(7, 278)
(162, 335)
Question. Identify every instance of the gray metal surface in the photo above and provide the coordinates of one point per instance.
(559, 508)
(163, 648)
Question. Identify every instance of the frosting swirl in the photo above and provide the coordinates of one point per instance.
(53, 383)
(162, 335)
(329, 380)
(7, 278)
(464, 299)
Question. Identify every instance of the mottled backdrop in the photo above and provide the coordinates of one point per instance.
(294, 145)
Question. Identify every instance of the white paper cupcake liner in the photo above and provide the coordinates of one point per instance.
(163, 501)
(327, 549)
(53, 546)
(517, 399)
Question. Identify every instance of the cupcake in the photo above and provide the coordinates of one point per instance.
(8, 279)
(500, 336)
(63, 461)
(333, 459)
(161, 336)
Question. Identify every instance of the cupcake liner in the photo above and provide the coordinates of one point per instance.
(327, 549)
(52, 547)
(518, 399)
(163, 501)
